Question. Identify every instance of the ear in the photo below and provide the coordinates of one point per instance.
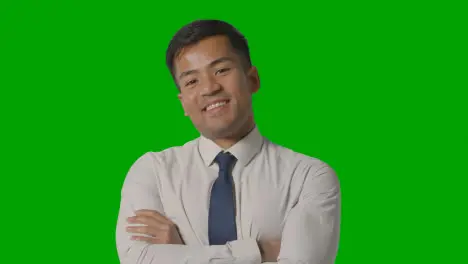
(254, 79)
(182, 102)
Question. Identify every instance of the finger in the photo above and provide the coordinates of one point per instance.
(149, 222)
(151, 240)
(146, 220)
(152, 213)
(146, 230)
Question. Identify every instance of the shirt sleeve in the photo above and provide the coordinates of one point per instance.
(311, 231)
(140, 191)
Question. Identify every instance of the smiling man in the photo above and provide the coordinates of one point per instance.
(231, 195)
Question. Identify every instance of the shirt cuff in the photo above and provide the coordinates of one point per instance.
(245, 251)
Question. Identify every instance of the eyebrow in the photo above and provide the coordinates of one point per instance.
(212, 64)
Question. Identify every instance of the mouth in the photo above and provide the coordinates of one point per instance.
(216, 105)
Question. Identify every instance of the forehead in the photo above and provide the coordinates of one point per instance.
(199, 55)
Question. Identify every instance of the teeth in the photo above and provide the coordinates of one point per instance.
(213, 106)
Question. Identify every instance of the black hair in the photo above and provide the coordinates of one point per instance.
(198, 30)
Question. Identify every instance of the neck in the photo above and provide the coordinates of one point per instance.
(226, 143)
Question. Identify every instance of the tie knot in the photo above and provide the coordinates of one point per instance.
(225, 160)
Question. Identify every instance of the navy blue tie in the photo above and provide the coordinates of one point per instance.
(222, 217)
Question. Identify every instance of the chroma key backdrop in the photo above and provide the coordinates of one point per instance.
(375, 89)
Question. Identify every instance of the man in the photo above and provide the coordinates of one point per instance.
(229, 196)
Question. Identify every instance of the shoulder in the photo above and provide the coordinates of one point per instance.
(315, 177)
(166, 157)
(150, 166)
(301, 162)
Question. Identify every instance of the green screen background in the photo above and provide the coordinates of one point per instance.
(376, 89)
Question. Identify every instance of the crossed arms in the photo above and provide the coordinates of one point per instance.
(310, 234)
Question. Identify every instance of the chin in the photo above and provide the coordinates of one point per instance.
(226, 128)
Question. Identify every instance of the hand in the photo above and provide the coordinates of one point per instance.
(160, 229)
(269, 250)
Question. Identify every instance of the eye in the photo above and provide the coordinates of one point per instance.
(190, 82)
(223, 70)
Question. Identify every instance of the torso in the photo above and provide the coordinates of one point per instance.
(265, 191)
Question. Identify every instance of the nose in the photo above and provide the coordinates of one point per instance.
(211, 87)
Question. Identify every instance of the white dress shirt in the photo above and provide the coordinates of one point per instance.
(279, 194)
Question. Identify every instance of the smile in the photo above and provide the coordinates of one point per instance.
(216, 105)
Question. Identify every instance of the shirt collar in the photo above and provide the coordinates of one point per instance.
(244, 150)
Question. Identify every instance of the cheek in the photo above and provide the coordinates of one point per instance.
(235, 84)
(190, 105)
